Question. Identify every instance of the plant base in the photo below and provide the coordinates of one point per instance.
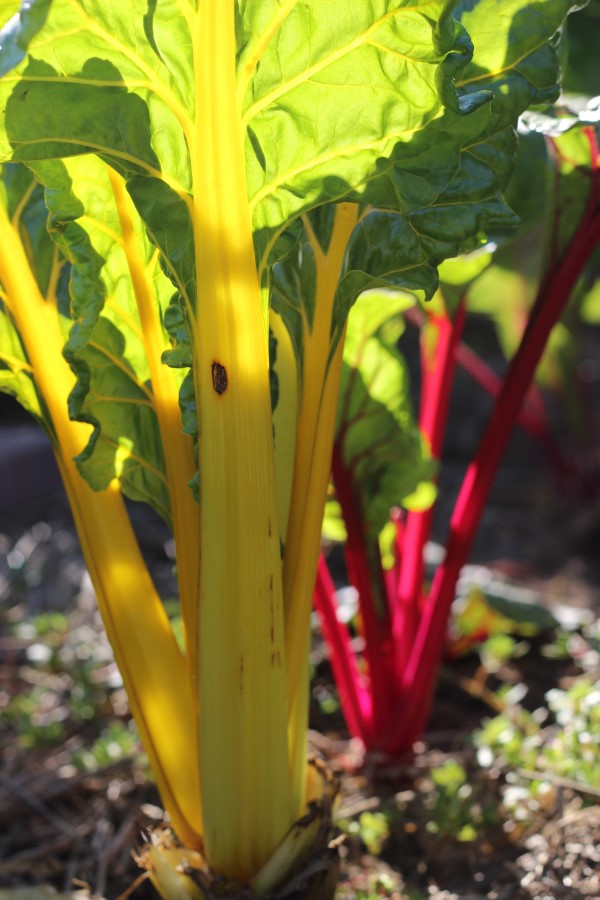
(304, 866)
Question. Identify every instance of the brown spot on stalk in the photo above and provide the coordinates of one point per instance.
(241, 674)
(220, 379)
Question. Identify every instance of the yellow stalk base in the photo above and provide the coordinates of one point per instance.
(303, 866)
(168, 867)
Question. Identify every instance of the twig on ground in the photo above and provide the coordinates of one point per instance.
(560, 781)
(38, 805)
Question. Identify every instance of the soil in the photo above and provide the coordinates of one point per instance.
(72, 821)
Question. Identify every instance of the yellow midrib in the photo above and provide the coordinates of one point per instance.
(258, 47)
(178, 447)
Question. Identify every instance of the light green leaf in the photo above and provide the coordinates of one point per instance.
(118, 79)
(380, 445)
(339, 88)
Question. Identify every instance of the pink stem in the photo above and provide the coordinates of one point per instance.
(551, 300)
(375, 629)
(532, 416)
(354, 697)
(437, 369)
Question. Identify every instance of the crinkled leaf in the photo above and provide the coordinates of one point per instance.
(106, 349)
(515, 62)
(450, 192)
(117, 79)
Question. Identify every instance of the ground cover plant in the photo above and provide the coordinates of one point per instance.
(179, 153)
(403, 619)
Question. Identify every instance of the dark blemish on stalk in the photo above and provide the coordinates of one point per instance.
(270, 532)
(276, 658)
(219, 377)
(22, 96)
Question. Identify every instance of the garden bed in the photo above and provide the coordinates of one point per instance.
(460, 819)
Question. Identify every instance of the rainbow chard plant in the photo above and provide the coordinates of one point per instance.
(183, 150)
(386, 691)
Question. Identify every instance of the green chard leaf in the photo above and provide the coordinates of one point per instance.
(450, 192)
(400, 107)
(118, 80)
(380, 447)
(23, 200)
(98, 230)
(515, 63)
(399, 143)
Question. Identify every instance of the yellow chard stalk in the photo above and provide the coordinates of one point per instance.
(246, 801)
(311, 467)
(180, 464)
(144, 645)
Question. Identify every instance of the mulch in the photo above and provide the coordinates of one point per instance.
(79, 831)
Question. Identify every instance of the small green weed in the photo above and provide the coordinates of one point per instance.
(371, 827)
(452, 805)
(378, 885)
(35, 718)
(546, 748)
(119, 740)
